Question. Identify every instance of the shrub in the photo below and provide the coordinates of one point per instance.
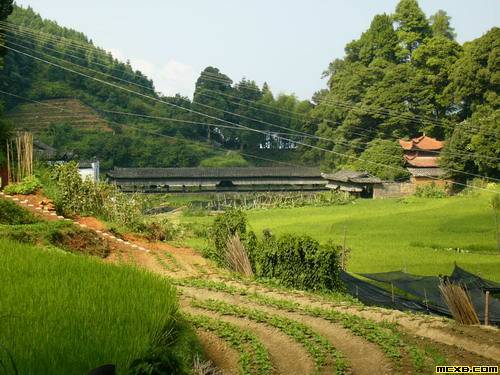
(430, 191)
(12, 214)
(160, 229)
(28, 185)
(298, 261)
(75, 196)
(225, 226)
(384, 159)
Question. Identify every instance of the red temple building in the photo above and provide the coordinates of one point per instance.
(422, 160)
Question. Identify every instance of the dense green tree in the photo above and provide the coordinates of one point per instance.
(210, 80)
(475, 79)
(379, 41)
(473, 146)
(441, 26)
(384, 159)
(412, 26)
(434, 61)
(5, 128)
(6, 9)
(485, 141)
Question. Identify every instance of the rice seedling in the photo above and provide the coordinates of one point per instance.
(67, 314)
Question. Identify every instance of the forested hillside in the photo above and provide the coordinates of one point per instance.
(405, 75)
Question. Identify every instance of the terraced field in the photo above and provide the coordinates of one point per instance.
(37, 116)
(252, 328)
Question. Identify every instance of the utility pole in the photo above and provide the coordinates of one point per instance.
(344, 255)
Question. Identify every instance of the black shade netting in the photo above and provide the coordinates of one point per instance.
(421, 293)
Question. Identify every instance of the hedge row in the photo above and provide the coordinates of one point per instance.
(293, 260)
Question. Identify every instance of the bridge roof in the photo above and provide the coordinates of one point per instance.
(232, 172)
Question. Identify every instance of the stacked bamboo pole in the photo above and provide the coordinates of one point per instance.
(20, 157)
(459, 303)
(237, 256)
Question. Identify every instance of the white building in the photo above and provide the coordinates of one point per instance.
(89, 170)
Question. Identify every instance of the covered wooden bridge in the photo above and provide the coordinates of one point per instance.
(217, 179)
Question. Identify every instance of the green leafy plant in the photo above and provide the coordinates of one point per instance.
(430, 191)
(254, 358)
(28, 185)
(318, 347)
(75, 196)
(11, 214)
(225, 226)
(298, 261)
(161, 229)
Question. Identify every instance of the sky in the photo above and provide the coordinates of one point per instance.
(287, 44)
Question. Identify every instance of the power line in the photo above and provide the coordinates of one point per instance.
(238, 126)
(407, 117)
(298, 133)
(209, 74)
(469, 154)
(77, 46)
(213, 117)
(258, 120)
(353, 106)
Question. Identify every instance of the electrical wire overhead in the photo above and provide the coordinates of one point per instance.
(130, 91)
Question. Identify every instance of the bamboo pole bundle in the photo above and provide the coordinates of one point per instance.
(459, 303)
(20, 157)
(237, 257)
(9, 176)
(18, 153)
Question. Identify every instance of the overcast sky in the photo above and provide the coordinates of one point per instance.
(286, 43)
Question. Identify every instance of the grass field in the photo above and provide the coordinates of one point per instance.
(422, 235)
(66, 314)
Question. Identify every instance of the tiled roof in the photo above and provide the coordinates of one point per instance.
(422, 161)
(426, 172)
(423, 142)
(42, 146)
(236, 172)
(352, 176)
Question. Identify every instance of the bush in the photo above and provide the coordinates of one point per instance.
(384, 159)
(430, 191)
(75, 196)
(12, 214)
(28, 185)
(298, 261)
(160, 229)
(227, 225)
